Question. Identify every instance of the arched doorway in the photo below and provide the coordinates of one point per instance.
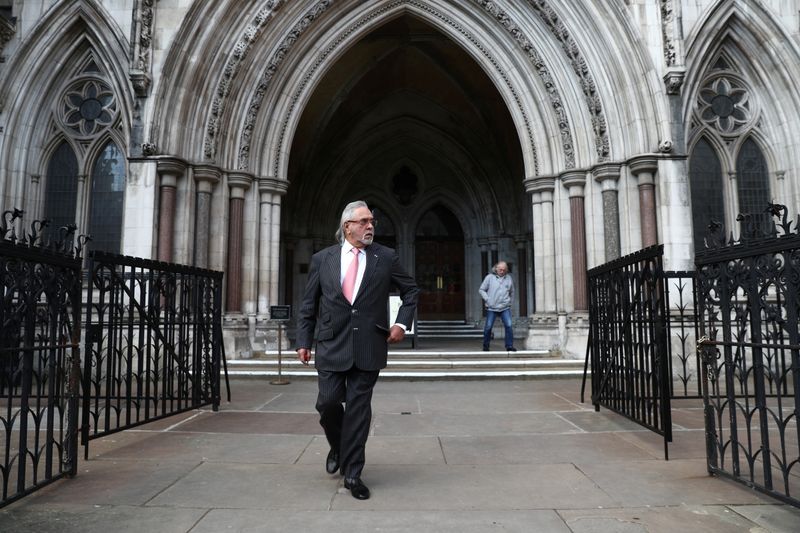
(439, 265)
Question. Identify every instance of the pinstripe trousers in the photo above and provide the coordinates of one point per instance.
(347, 428)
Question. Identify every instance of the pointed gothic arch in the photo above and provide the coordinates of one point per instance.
(71, 38)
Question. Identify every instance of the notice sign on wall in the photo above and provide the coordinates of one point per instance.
(280, 312)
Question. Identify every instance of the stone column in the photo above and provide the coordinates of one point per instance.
(269, 242)
(575, 182)
(238, 184)
(541, 189)
(521, 242)
(644, 168)
(169, 170)
(206, 177)
(81, 213)
(607, 175)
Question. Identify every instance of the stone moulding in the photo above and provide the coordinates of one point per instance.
(541, 69)
(238, 54)
(144, 19)
(579, 65)
(323, 55)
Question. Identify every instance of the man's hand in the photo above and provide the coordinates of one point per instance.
(396, 334)
(304, 354)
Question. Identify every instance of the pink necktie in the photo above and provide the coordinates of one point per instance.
(349, 282)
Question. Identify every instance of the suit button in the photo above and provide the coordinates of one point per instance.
(354, 311)
(355, 329)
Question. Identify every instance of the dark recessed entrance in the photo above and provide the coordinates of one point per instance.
(439, 267)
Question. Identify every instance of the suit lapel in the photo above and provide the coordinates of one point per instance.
(333, 265)
(372, 266)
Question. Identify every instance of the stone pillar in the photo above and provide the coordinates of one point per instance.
(607, 175)
(238, 184)
(169, 170)
(206, 177)
(575, 182)
(644, 168)
(81, 213)
(521, 242)
(269, 242)
(541, 189)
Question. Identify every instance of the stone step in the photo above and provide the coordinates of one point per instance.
(428, 365)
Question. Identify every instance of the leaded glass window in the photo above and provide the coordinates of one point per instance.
(105, 211)
(705, 177)
(752, 181)
(61, 188)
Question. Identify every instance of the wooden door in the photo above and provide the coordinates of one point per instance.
(440, 276)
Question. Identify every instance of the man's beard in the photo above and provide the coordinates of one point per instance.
(367, 240)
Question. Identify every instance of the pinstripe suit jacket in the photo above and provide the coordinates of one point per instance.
(354, 334)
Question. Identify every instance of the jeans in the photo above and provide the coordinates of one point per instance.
(505, 316)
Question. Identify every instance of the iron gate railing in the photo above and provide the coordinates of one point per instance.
(152, 345)
(39, 356)
(628, 341)
(750, 305)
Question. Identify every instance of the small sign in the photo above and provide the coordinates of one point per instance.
(280, 312)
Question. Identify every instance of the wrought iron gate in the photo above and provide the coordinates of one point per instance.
(750, 306)
(153, 342)
(628, 341)
(40, 313)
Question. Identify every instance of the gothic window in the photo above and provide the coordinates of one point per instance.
(105, 211)
(707, 188)
(726, 114)
(61, 192)
(85, 176)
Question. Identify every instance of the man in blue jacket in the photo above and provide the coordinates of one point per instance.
(497, 291)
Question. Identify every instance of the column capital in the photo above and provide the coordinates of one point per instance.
(169, 170)
(574, 181)
(206, 174)
(540, 184)
(273, 185)
(606, 172)
(645, 163)
(238, 182)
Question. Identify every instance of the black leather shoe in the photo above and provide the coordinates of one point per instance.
(332, 462)
(511, 349)
(485, 348)
(357, 488)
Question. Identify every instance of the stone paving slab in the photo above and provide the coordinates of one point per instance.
(382, 521)
(470, 457)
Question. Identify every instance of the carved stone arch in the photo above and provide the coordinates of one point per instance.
(57, 45)
(454, 204)
(629, 93)
(284, 111)
(222, 53)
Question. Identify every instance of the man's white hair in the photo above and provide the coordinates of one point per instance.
(347, 214)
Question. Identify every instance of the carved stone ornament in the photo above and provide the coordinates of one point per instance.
(149, 149)
(665, 146)
(143, 22)
(7, 31)
(673, 80)
(141, 83)
(667, 32)
(239, 53)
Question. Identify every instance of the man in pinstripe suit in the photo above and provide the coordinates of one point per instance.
(347, 296)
